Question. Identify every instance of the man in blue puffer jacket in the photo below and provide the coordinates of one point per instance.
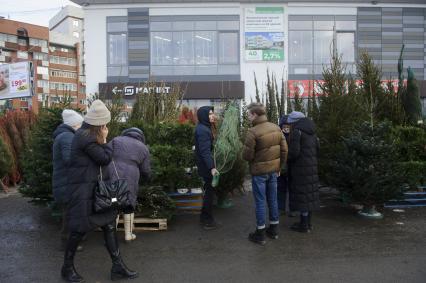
(205, 163)
(63, 136)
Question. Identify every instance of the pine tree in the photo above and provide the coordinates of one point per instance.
(272, 105)
(37, 158)
(298, 101)
(257, 88)
(288, 101)
(411, 99)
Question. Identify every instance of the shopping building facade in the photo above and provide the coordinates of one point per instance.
(216, 48)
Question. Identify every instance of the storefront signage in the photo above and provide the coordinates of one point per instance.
(190, 90)
(264, 34)
(15, 80)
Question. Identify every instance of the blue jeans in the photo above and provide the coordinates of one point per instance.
(265, 189)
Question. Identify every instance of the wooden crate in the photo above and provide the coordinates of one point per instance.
(188, 203)
(145, 224)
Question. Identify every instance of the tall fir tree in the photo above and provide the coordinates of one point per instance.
(411, 100)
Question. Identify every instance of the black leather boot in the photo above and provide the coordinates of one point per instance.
(258, 236)
(301, 226)
(272, 231)
(119, 270)
(68, 271)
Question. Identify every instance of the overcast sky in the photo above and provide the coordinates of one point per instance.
(37, 12)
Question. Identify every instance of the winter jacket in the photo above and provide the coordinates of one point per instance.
(86, 158)
(61, 150)
(204, 143)
(302, 155)
(132, 160)
(265, 147)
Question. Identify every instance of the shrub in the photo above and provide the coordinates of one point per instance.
(153, 202)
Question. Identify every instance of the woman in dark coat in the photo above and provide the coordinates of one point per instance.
(61, 151)
(282, 180)
(89, 151)
(302, 158)
(132, 160)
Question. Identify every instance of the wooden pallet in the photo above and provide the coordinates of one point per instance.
(188, 203)
(145, 224)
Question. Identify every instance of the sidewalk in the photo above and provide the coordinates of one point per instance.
(342, 248)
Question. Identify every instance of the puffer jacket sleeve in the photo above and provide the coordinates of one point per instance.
(249, 146)
(294, 147)
(283, 150)
(205, 145)
(101, 154)
(65, 147)
(145, 164)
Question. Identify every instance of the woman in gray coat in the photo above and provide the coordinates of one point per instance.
(132, 160)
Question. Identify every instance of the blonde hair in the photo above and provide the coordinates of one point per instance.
(95, 131)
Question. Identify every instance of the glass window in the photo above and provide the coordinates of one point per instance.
(42, 83)
(3, 37)
(346, 46)
(161, 48)
(187, 25)
(72, 62)
(323, 46)
(12, 38)
(22, 42)
(228, 25)
(228, 48)
(323, 25)
(43, 43)
(345, 25)
(75, 34)
(75, 23)
(205, 25)
(183, 47)
(205, 47)
(300, 47)
(63, 61)
(40, 56)
(160, 26)
(300, 25)
(117, 47)
(116, 27)
(22, 54)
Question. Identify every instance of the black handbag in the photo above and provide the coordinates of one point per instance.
(111, 195)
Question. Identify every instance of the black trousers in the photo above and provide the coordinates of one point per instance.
(207, 210)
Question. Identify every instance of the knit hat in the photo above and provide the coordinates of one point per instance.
(295, 116)
(71, 118)
(98, 114)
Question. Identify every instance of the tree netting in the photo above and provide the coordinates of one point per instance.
(228, 144)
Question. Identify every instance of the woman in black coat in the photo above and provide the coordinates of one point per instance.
(302, 158)
(89, 152)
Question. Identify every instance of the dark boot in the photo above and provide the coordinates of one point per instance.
(301, 226)
(119, 270)
(258, 236)
(309, 221)
(68, 271)
(272, 231)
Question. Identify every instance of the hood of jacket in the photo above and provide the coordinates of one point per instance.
(283, 120)
(306, 125)
(203, 115)
(135, 133)
(62, 128)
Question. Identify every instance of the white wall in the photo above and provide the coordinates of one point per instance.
(96, 46)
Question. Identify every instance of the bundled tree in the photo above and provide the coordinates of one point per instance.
(298, 104)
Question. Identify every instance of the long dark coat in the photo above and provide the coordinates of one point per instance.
(132, 160)
(204, 143)
(86, 157)
(63, 136)
(302, 156)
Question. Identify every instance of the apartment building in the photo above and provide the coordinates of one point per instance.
(20, 42)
